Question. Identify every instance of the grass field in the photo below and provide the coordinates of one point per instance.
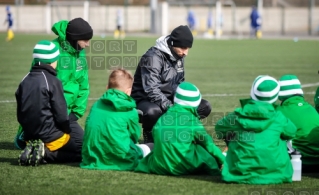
(223, 70)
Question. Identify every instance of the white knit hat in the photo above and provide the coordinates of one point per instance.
(265, 89)
(45, 52)
(187, 94)
(289, 86)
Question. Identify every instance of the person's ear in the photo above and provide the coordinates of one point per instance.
(128, 91)
(54, 64)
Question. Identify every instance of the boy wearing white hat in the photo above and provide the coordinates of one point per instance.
(257, 134)
(181, 144)
(42, 111)
(305, 117)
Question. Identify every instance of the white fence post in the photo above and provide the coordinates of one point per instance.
(48, 18)
(86, 11)
(164, 18)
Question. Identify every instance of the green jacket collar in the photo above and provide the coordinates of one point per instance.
(118, 99)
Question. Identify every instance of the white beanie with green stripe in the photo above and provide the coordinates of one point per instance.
(187, 94)
(265, 89)
(289, 86)
(45, 52)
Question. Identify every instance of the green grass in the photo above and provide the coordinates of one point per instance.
(216, 67)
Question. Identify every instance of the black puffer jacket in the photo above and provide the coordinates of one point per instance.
(41, 107)
(157, 76)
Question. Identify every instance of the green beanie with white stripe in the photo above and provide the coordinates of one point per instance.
(289, 86)
(45, 52)
(265, 89)
(187, 94)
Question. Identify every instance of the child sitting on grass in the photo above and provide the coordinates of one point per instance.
(305, 117)
(181, 144)
(112, 128)
(256, 136)
(42, 111)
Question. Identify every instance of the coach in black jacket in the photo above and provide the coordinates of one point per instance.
(159, 72)
(42, 110)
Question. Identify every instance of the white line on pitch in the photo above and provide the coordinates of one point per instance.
(204, 95)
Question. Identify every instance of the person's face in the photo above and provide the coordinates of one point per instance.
(84, 43)
(181, 51)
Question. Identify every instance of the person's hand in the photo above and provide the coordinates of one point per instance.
(221, 167)
(225, 149)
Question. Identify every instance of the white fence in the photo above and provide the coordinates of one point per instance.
(137, 18)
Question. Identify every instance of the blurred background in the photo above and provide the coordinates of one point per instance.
(207, 18)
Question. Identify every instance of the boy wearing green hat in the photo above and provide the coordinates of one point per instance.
(181, 144)
(256, 135)
(305, 117)
(42, 111)
(72, 70)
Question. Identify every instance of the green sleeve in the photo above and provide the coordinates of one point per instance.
(289, 131)
(205, 140)
(134, 127)
(83, 96)
(225, 126)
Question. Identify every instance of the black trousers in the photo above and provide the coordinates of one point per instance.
(152, 112)
(70, 152)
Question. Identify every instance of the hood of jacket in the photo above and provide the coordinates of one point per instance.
(255, 115)
(59, 29)
(295, 101)
(119, 100)
(161, 44)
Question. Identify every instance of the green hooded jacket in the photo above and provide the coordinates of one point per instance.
(306, 119)
(181, 146)
(111, 132)
(72, 70)
(257, 151)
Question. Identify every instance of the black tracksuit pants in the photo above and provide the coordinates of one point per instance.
(152, 112)
(70, 152)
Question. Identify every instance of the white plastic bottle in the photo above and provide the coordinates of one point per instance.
(296, 164)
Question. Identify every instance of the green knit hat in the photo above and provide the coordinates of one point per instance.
(187, 94)
(289, 86)
(265, 89)
(45, 52)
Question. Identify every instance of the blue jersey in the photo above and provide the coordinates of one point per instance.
(9, 19)
(191, 20)
(255, 19)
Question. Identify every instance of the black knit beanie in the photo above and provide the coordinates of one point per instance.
(79, 29)
(181, 37)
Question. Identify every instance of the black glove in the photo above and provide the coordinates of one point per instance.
(73, 117)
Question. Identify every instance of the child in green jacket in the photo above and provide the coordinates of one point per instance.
(256, 135)
(112, 128)
(306, 119)
(181, 144)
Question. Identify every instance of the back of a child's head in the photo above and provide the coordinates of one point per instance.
(187, 94)
(289, 86)
(120, 79)
(45, 52)
(265, 89)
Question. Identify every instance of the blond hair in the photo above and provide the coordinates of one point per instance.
(120, 79)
